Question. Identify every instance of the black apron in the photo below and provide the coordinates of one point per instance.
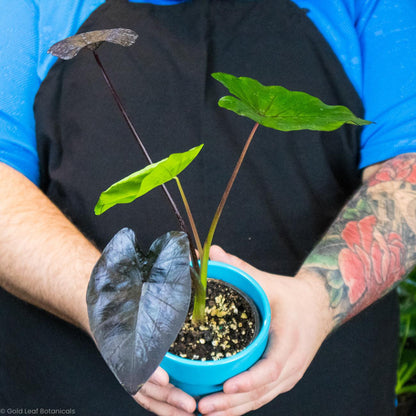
(290, 188)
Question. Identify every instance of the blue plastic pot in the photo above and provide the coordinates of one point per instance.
(199, 378)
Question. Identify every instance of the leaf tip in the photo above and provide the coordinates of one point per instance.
(362, 122)
(99, 208)
(216, 75)
(199, 148)
(225, 78)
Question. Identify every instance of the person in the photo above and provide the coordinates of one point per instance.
(334, 210)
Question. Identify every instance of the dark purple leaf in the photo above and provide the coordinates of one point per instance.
(137, 303)
(69, 47)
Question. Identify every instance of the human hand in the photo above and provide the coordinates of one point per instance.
(160, 397)
(301, 320)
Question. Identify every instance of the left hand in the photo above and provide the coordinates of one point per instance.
(301, 320)
(161, 398)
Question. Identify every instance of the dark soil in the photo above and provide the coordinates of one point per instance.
(229, 326)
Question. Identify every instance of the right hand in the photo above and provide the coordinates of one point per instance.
(159, 396)
(301, 319)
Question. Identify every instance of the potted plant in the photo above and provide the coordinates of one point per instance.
(138, 302)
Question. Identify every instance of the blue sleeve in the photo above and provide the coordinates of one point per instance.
(29, 28)
(387, 34)
(19, 83)
(375, 41)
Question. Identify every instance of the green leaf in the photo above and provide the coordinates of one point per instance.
(351, 214)
(362, 206)
(408, 311)
(319, 260)
(335, 296)
(281, 109)
(139, 183)
(409, 373)
(335, 280)
(408, 389)
(357, 212)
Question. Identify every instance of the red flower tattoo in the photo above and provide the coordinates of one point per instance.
(398, 169)
(372, 262)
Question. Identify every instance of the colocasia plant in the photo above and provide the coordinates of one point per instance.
(138, 302)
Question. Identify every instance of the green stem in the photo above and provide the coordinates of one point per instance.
(212, 228)
(405, 335)
(190, 216)
(198, 314)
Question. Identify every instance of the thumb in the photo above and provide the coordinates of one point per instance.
(159, 377)
(216, 253)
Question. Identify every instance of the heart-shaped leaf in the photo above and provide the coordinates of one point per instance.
(68, 48)
(139, 183)
(281, 109)
(137, 303)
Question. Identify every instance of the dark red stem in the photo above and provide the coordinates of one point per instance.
(126, 117)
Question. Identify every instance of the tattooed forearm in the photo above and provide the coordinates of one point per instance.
(371, 246)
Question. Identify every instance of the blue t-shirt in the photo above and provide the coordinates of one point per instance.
(375, 41)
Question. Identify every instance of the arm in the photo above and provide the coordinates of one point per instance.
(46, 261)
(366, 252)
(370, 247)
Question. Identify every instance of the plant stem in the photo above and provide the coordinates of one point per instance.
(212, 228)
(126, 117)
(229, 186)
(190, 216)
(198, 313)
(405, 335)
(121, 107)
(226, 193)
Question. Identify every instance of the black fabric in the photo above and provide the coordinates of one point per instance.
(290, 188)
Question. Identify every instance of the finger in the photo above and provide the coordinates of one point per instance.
(270, 367)
(243, 406)
(251, 389)
(167, 400)
(245, 387)
(159, 377)
(266, 371)
(242, 403)
(223, 402)
(160, 408)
